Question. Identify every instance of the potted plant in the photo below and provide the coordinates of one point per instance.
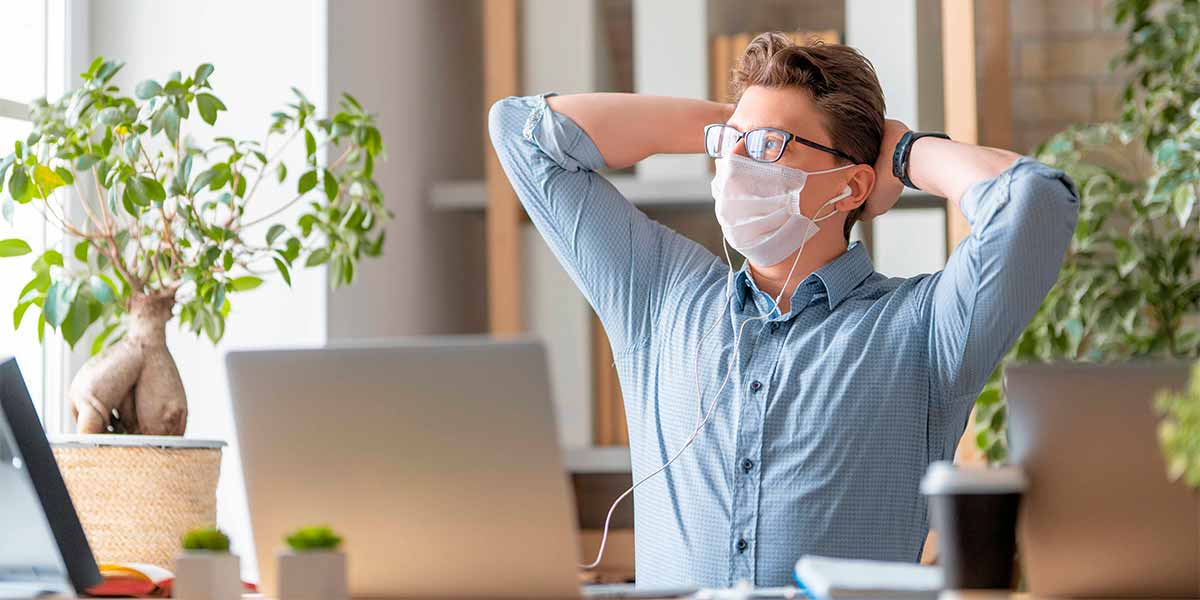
(312, 568)
(1129, 288)
(206, 570)
(1179, 430)
(160, 226)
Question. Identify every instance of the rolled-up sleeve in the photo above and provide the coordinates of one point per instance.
(623, 262)
(995, 280)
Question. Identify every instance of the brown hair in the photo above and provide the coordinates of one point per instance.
(840, 80)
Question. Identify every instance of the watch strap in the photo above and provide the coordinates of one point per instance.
(904, 149)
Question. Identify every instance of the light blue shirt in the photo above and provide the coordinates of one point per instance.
(835, 409)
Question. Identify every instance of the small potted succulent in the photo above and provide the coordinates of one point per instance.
(206, 570)
(312, 568)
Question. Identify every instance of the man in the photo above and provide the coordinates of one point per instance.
(825, 388)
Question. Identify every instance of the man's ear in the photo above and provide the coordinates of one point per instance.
(861, 183)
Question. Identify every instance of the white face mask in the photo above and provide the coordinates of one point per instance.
(758, 207)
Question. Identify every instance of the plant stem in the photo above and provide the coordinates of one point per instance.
(109, 221)
(273, 160)
(289, 203)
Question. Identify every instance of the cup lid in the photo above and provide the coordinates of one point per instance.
(943, 477)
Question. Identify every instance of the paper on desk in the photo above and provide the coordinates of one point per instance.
(838, 578)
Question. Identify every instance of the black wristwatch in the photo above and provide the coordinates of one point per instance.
(903, 149)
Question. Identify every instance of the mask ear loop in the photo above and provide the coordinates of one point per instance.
(737, 338)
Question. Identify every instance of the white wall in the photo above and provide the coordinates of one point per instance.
(418, 66)
(259, 49)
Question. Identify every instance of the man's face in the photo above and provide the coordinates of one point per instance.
(793, 110)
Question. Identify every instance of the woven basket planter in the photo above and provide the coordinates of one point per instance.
(137, 495)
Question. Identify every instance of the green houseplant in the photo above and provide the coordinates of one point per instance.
(312, 568)
(169, 229)
(1129, 287)
(206, 570)
(1179, 431)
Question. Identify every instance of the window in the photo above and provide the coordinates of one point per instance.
(35, 33)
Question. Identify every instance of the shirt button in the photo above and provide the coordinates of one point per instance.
(755, 386)
(747, 465)
(742, 545)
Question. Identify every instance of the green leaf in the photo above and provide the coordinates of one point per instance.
(93, 68)
(331, 186)
(214, 178)
(1183, 201)
(81, 251)
(274, 232)
(6, 209)
(78, 320)
(18, 186)
(218, 297)
(318, 257)
(208, 105)
(102, 290)
(281, 172)
(130, 204)
(109, 116)
(283, 271)
(306, 224)
(14, 247)
(310, 145)
(244, 283)
(308, 181)
(85, 161)
(132, 146)
(144, 190)
(65, 175)
(19, 313)
(59, 299)
(202, 73)
(147, 89)
(171, 124)
(49, 258)
(108, 69)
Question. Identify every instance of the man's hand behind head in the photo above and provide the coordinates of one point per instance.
(887, 186)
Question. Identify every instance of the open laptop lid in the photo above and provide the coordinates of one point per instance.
(1100, 518)
(44, 548)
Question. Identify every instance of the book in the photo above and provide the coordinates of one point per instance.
(835, 578)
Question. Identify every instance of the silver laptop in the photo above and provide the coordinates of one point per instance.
(435, 458)
(1100, 518)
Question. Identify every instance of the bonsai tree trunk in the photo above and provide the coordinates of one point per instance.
(133, 386)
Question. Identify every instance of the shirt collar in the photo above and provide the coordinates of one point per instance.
(839, 277)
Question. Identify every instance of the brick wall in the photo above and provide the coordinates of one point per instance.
(1059, 67)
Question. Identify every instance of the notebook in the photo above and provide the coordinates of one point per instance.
(836, 578)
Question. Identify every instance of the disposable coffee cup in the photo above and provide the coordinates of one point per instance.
(974, 511)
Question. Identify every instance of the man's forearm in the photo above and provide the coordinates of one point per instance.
(627, 128)
(946, 168)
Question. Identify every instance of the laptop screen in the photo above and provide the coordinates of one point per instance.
(44, 548)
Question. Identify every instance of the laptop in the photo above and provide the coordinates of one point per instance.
(1100, 518)
(436, 459)
(43, 551)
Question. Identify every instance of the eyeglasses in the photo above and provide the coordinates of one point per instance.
(765, 144)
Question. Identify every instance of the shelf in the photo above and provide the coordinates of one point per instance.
(597, 460)
(470, 195)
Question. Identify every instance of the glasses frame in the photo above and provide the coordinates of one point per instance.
(788, 138)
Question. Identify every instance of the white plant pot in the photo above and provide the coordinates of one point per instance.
(202, 575)
(316, 575)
